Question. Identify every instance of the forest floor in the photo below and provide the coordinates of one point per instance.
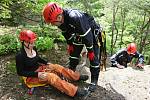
(114, 84)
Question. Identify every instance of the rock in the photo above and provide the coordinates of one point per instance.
(56, 46)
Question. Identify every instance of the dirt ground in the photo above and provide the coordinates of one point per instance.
(114, 84)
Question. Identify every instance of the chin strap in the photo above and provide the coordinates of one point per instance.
(28, 47)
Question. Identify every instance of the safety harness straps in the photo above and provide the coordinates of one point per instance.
(74, 57)
(85, 33)
(94, 66)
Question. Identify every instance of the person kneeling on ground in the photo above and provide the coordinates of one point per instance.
(38, 72)
(124, 56)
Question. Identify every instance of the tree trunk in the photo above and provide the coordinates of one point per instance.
(115, 9)
(143, 38)
(123, 15)
(148, 61)
(115, 40)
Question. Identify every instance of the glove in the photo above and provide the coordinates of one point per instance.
(70, 49)
(139, 66)
(42, 76)
(91, 56)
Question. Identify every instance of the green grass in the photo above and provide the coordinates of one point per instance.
(11, 67)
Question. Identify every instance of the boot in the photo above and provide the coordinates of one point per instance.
(94, 79)
(81, 92)
(93, 85)
(83, 78)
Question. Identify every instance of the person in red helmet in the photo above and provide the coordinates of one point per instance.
(131, 48)
(125, 55)
(51, 12)
(79, 29)
(38, 72)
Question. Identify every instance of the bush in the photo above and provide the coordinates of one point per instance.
(44, 43)
(47, 31)
(8, 44)
(11, 66)
(2, 49)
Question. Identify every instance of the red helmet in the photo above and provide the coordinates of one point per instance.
(51, 11)
(131, 48)
(27, 36)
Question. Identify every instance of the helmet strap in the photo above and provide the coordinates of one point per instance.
(27, 46)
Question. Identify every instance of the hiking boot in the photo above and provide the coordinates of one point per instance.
(81, 92)
(92, 87)
(94, 79)
(83, 78)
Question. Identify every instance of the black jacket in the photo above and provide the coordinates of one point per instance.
(79, 28)
(122, 57)
(27, 66)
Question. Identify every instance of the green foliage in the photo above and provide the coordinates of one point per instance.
(8, 44)
(47, 31)
(11, 66)
(60, 38)
(108, 42)
(44, 43)
(2, 49)
(134, 13)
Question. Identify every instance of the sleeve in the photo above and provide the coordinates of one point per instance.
(68, 37)
(140, 57)
(83, 25)
(40, 60)
(20, 68)
(114, 58)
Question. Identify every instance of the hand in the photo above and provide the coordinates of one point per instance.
(139, 66)
(49, 63)
(120, 66)
(91, 56)
(70, 49)
(48, 66)
(42, 75)
(84, 54)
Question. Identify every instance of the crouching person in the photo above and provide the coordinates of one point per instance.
(38, 72)
(125, 56)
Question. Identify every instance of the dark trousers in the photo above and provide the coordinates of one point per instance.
(94, 65)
